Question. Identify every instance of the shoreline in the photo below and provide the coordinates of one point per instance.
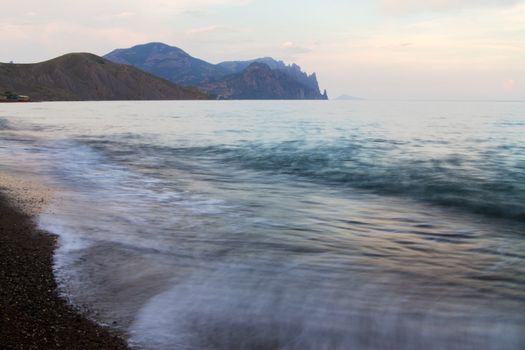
(33, 315)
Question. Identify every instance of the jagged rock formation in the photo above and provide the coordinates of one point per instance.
(179, 67)
(293, 70)
(259, 81)
(84, 76)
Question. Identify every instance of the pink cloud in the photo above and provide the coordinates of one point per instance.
(412, 6)
(509, 85)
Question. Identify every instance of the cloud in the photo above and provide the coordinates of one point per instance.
(60, 26)
(396, 45)
(124, 14)
(400, 7)
(60, 10)
(118, 16)
(509, 85)
(290, 48)
(194, 13)
(203, 30)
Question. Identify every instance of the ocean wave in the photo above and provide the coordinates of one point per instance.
(4, 124)
(490, 183)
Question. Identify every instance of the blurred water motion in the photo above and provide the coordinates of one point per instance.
(286, 225)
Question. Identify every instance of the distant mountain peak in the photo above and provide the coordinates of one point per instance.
(159, 47)
(145, 50)
(259, 81)
(176, 65)
(293, 70)
(168, 62)
(155, 44)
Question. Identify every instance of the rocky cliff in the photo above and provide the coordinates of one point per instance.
(179, 67)
(84, 76)
(259, 81)
(293, 70)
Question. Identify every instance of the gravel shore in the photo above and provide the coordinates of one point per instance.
(32, 315)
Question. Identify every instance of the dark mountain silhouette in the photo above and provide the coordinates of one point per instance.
(84, 76)
(293, 70)
(167, 62)
(174, 64)
(259, 81)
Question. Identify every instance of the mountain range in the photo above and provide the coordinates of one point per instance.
(155, 71)
(263, 78)
(84, 76)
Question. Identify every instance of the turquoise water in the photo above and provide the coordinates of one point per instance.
(285, 225)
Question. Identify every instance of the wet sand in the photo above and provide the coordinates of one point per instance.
(32, 315)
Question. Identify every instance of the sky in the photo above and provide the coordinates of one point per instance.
(377, 49)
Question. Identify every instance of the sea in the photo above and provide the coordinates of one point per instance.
(303, 225)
